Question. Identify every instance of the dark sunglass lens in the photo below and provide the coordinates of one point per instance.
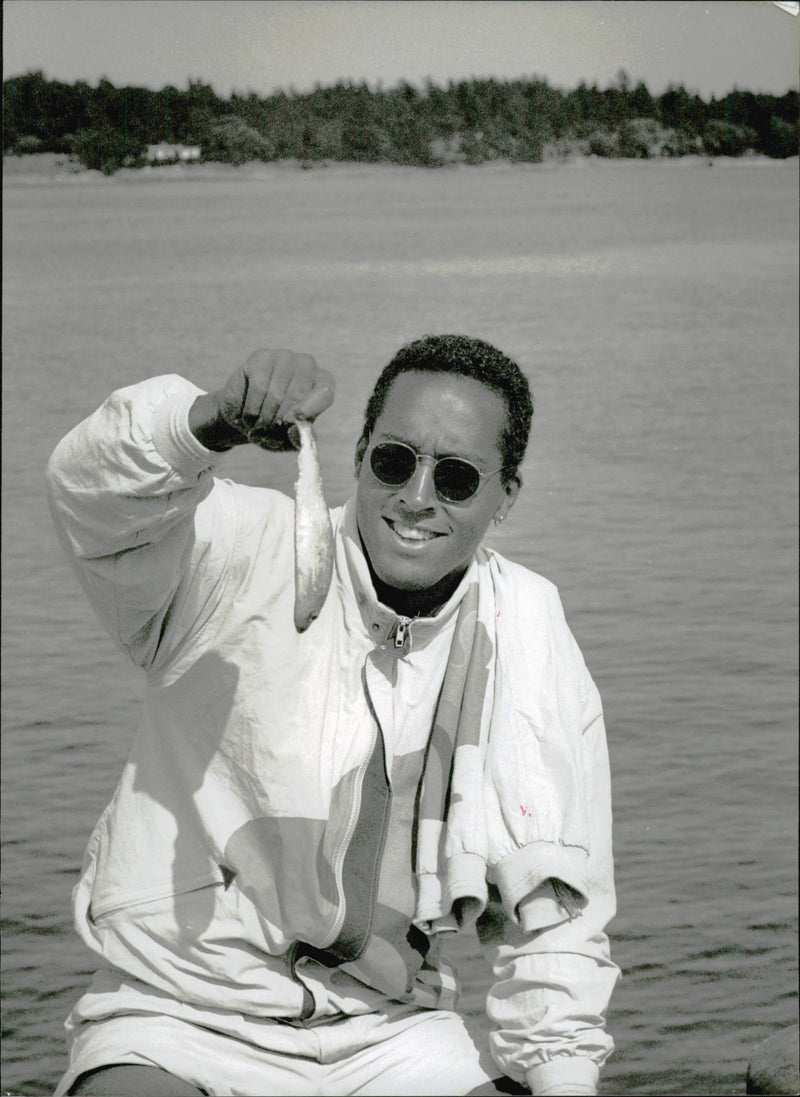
(392, 463)
(456, 480)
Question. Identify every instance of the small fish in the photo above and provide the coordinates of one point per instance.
(313, 535)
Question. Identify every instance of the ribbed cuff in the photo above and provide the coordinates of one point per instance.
(522, 872)
(566, 1074)
(174, 441)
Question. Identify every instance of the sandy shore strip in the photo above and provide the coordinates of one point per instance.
(51, 167)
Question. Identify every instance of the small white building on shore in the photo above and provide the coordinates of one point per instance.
(164, 153)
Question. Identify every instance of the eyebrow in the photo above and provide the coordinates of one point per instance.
(479, 462)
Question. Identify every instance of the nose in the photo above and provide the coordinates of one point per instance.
(419, 493)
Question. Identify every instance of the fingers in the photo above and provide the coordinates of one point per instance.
(295, 386)
(272, 390)
(319, 399)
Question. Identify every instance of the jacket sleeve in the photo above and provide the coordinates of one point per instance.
(124, 489)
(553, 984)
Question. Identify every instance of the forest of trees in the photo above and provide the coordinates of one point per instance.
(469, 121)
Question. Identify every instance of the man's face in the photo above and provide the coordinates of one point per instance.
(412, 537)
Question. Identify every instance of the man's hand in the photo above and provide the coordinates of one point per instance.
(260, 402)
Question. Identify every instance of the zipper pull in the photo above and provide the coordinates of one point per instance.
(402, 638)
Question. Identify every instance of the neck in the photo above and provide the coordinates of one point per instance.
(416, 603)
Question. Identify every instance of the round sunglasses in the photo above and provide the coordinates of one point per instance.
(455, 479)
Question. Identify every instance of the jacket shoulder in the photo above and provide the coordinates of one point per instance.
(536, 630)
(529, 587)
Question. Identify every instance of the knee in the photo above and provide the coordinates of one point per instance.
(130, 1080)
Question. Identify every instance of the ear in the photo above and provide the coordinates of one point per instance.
(509, 498)
(361, 449)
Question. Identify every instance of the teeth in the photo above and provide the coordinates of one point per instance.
(412, 533)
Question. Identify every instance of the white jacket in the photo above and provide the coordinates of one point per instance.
(225, 841)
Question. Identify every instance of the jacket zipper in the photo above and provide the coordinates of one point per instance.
(400, 639)
(342, 852)
(401, 642)
(402, 635)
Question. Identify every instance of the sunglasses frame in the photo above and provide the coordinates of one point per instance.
(482, 476)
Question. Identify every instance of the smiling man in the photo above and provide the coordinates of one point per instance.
(419, 540)
(305, 818)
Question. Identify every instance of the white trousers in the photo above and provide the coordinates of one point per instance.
(403, 1051)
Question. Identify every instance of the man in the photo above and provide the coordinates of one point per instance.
(304, 817)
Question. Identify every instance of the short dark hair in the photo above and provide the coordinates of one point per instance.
(468, 357)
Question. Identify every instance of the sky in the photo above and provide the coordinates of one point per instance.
(263, 45)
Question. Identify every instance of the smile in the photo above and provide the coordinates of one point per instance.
(411, 534)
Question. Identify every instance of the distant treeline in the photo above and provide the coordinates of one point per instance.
(469, 121)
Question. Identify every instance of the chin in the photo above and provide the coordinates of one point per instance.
(408, 579)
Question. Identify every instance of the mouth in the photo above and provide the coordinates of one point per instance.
(411, 535)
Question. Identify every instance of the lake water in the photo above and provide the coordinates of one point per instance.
(654, 307)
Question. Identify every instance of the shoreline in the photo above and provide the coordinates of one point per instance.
(45, 168)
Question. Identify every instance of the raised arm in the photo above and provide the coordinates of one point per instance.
(135, 502)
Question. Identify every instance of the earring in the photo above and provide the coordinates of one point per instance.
(498, 518)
